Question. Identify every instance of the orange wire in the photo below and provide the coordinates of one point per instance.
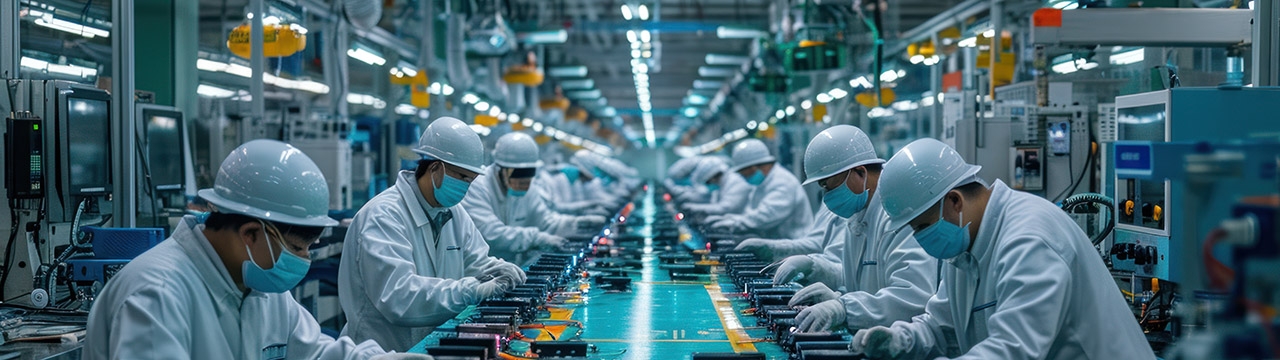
(1220, 275)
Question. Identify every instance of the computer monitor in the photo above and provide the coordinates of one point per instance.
(86, 122)
(166, 148)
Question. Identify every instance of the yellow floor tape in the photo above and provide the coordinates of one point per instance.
(738, 337)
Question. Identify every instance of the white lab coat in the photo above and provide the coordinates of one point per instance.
(394, 285)
(776, 209)
(731, 198)
(558, 192)
(887, 276)
(177, 301)
(511, 225)
(1031, 287)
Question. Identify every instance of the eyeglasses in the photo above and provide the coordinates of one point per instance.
(274, 231)
(827, 184)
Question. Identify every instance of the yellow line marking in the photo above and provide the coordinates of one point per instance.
(738, 337)
(655, 341)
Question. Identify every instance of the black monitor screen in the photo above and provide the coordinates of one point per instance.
(89, 130)
(164, 149)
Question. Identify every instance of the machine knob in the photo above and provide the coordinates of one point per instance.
(1152, 256)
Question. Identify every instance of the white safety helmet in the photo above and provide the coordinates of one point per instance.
(708, 168)
(516, 151)
(835, 150)
(585, 161)
(750, 152)
(452, 141)
(273, 181)
(918, 176)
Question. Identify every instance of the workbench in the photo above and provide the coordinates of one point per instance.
(658, 316)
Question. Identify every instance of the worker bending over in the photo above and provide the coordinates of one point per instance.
(1021, 280)
(777, 206)
(512, 220)
(413, 259)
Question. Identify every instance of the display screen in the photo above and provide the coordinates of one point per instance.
(89, 143)
(164, 149)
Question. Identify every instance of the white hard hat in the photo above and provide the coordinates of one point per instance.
(918, 176)
(750, 152)
(708, 168)
(835, 150)
(273, 181)
(516, 151)
(450, 140)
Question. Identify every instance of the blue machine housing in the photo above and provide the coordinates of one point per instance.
(1191, 119)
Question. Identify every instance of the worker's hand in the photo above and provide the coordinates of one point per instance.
(880, 342)
(507, 273)
(589, 222)
(813, 294)
(792, 266)
(548, 242)
(401, 356)
(491, 288)
(713, 219)
(826, 315)
(728, 225)
(763, 248)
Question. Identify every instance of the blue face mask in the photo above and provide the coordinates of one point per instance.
(515, 193)
(604, 178)
(683, 182)
(287, 271)
(713, 187)
(571, 172)
(843, 202)
(201, 216)
(944, 240)
(451, 191)
(757, 178)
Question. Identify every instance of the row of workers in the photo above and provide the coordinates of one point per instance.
(916, 256)
(445, 236)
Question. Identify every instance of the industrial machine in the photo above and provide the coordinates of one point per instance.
(1174, 182)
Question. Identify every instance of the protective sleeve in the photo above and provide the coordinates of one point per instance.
(1031, 292)
(505, 238)
(774, 208)
(151, 323)
(931, 334)
(307, 342)
(912, 274)
(404, 298)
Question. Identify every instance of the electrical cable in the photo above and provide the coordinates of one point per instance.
(1080, 178)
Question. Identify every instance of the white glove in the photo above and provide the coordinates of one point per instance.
(506, 273)
(761, 247)
(713, 219)
(824, 316)
(491, 288)
(550, 242)
(813, 294)
(727, 224)
(589, 222)
(792, 266)
(880, 342)
(401, 356)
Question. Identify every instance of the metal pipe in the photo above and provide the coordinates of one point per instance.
(997, 24)
(10, 43)
(1266, 30)
(122, 87)
(257, 62)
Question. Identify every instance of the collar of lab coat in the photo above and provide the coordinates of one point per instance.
(408, 188)
(190, 236)
(490, 179)
(986, 239)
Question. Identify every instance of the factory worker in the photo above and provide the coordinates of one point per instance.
(886, 276)
(558, 187)
(728, 192)
(412, 258)
(825, 228)
(219, 289)
(777, 207)
(1020, 280)
(679, 183)
(511, 220)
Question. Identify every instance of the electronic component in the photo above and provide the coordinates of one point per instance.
(490, 344)
(554, 349)
(458, 352)
(24, 154)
